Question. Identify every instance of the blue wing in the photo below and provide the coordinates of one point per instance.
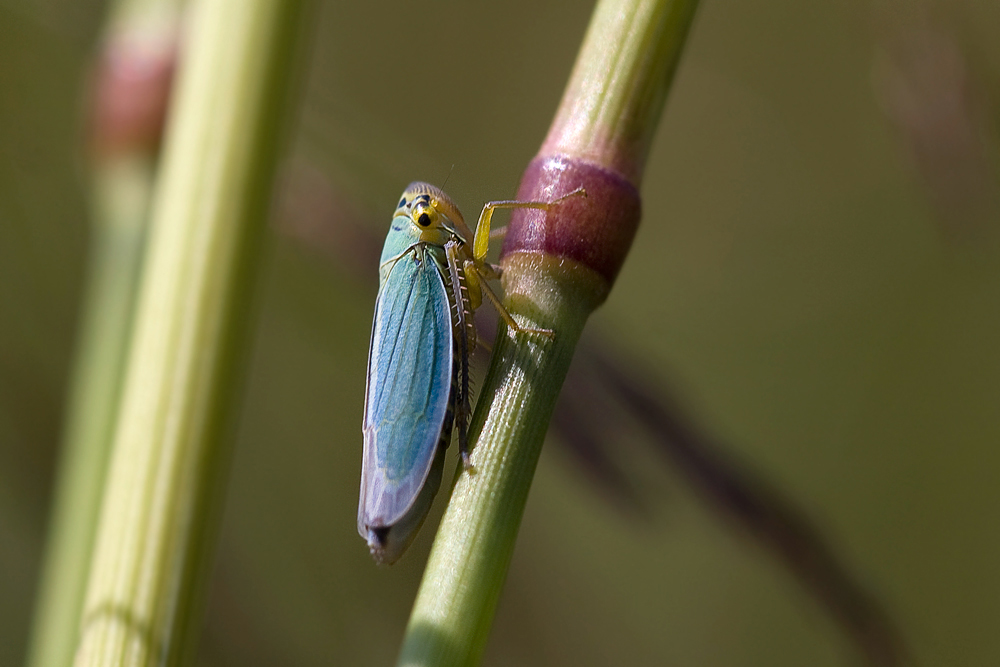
(408, 393)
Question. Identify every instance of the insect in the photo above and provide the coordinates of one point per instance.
(431, 281)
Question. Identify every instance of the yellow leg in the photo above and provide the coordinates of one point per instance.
(508, 318)
(482, 236)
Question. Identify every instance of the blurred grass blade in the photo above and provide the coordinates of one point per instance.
(171, 446)
(133, 80)
(930, 89)
(115, 257)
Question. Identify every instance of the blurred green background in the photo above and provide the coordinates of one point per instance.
(817, 276)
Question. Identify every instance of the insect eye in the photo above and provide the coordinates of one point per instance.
(424, 215)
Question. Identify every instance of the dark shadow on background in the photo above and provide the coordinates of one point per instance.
(754, 505)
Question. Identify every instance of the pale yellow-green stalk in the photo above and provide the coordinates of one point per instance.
(171, 445)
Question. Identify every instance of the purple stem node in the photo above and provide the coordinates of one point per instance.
(596, 230)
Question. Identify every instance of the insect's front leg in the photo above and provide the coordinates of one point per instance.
(482, 236)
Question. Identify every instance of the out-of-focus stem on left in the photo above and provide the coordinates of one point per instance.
(128, 99)
(171, 446)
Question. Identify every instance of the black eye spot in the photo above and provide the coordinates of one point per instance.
(424, 198)
(402, 203)
(424, 220)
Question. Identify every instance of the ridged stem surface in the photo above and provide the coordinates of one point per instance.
(127, 105)
(558, 267)
(170, 451)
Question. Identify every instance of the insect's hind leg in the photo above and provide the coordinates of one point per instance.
(461, 326)
(470, 267)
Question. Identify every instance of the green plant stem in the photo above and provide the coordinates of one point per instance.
(558, 267)
(454, 608)
(615, 96)
(140, 37)
(121, 195)
(170, 451)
